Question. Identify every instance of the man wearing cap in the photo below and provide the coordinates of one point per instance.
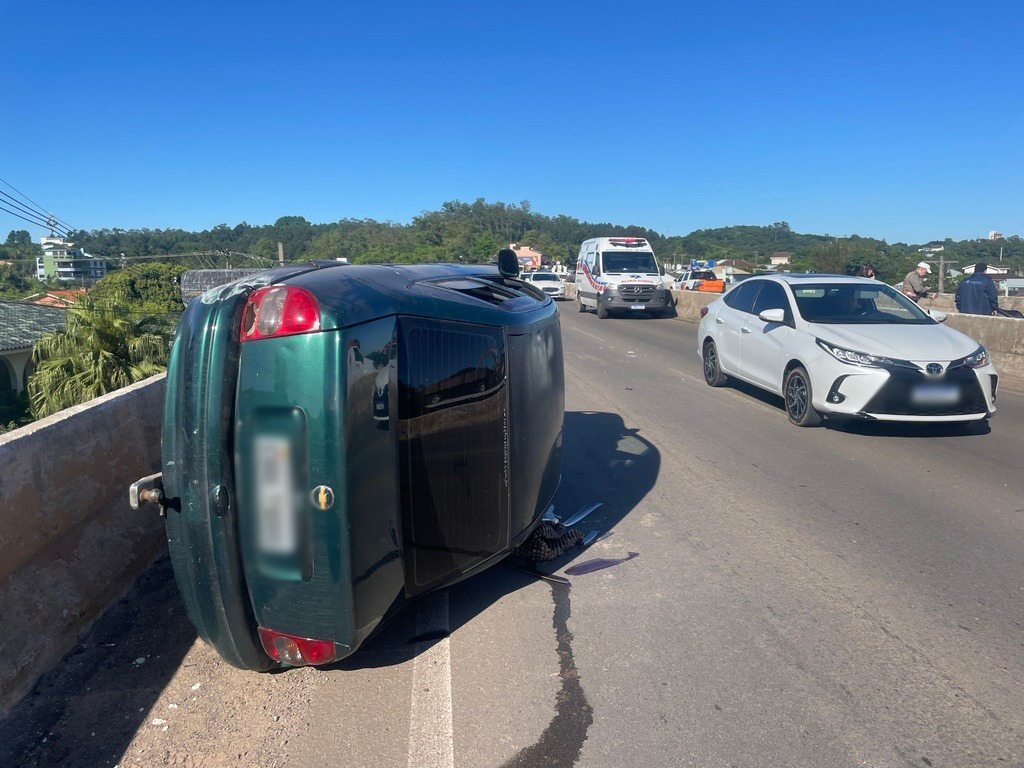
(913, 283)
(977, 295)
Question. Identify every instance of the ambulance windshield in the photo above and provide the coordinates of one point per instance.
(629, 261)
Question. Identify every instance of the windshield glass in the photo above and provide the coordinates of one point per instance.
(629, 261)
(853, 303)
(541, 276)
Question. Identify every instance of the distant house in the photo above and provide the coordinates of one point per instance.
(21, 326)
(528, 258)
(991, 270)
(62, 261)
(781, 258)
(728, 267)
(993, 235)
(62, 298)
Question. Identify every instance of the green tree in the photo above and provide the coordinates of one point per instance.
(151, 288)
(19, 238)
(103, 347)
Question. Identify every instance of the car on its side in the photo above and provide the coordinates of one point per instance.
(845, 346)
(548, 282)
(339, 439)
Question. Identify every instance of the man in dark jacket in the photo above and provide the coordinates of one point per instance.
(977, 294)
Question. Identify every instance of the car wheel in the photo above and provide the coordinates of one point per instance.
(579, 304)
(602, 310)
(712, 370)
(799, 407)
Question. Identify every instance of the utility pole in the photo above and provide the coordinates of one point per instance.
(280, 254)
(942, 268)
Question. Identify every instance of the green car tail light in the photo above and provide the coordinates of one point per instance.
(279, 310)
(296, 651)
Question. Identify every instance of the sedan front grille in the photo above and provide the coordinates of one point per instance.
(894, 398)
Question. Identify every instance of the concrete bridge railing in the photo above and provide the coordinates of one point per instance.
(69, 543)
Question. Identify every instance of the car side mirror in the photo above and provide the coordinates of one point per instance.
(596, 270)
(508, 263)
(937, 316)
(661, 269)
(773, 315)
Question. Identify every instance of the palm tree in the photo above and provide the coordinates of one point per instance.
(100, 349)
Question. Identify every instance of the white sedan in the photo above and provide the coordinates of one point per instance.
(548, 282)
(845, 346)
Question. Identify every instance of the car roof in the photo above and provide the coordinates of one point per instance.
(792, 278)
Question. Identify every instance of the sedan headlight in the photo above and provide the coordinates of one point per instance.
(977, 359)
(852, 357)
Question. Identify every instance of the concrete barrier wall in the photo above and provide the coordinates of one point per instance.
(69, 542)
(947, 302)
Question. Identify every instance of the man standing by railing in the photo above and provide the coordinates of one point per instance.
(977, 295)
(913, 283)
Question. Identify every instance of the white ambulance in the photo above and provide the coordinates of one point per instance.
(619, 275)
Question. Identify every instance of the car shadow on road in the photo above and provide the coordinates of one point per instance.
(86, 710)
(603, 461)
(909, 430)
(868, 428)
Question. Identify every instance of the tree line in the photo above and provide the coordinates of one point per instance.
(474, 232)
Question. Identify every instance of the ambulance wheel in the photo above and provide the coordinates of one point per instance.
(602, 310)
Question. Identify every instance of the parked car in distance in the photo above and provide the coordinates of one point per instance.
(548, 282)
(699, 280)
(845, 346)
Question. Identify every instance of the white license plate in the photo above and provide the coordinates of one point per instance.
(275, 496)
(935, 394)
(637, 306)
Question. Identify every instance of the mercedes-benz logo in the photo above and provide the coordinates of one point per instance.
(638, 289)
(933, 369)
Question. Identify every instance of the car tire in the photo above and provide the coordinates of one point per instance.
(579, 304)
(602, 310)
(712, 369)
(796, 391)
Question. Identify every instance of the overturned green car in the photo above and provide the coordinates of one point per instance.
(338, 439)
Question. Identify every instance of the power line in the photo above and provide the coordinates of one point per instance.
(31, 221)
(49, 221)
(37, 205)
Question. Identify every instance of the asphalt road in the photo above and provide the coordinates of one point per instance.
(828, 597)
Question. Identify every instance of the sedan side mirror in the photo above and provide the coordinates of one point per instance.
(773, 315)
(937, 316)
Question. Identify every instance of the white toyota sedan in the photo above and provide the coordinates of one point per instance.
(845, 346)
(548, 282)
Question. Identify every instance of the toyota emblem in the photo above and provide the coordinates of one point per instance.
(933, 369)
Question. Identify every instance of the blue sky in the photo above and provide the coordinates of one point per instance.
(895, 120)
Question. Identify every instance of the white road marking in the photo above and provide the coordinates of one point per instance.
(588, 333)
(431, 743)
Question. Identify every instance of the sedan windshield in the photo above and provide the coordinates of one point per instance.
(856, 303)
(629, 261)
(542, 276)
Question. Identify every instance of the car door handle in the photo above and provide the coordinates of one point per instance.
(745, 330)
(719, 320)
